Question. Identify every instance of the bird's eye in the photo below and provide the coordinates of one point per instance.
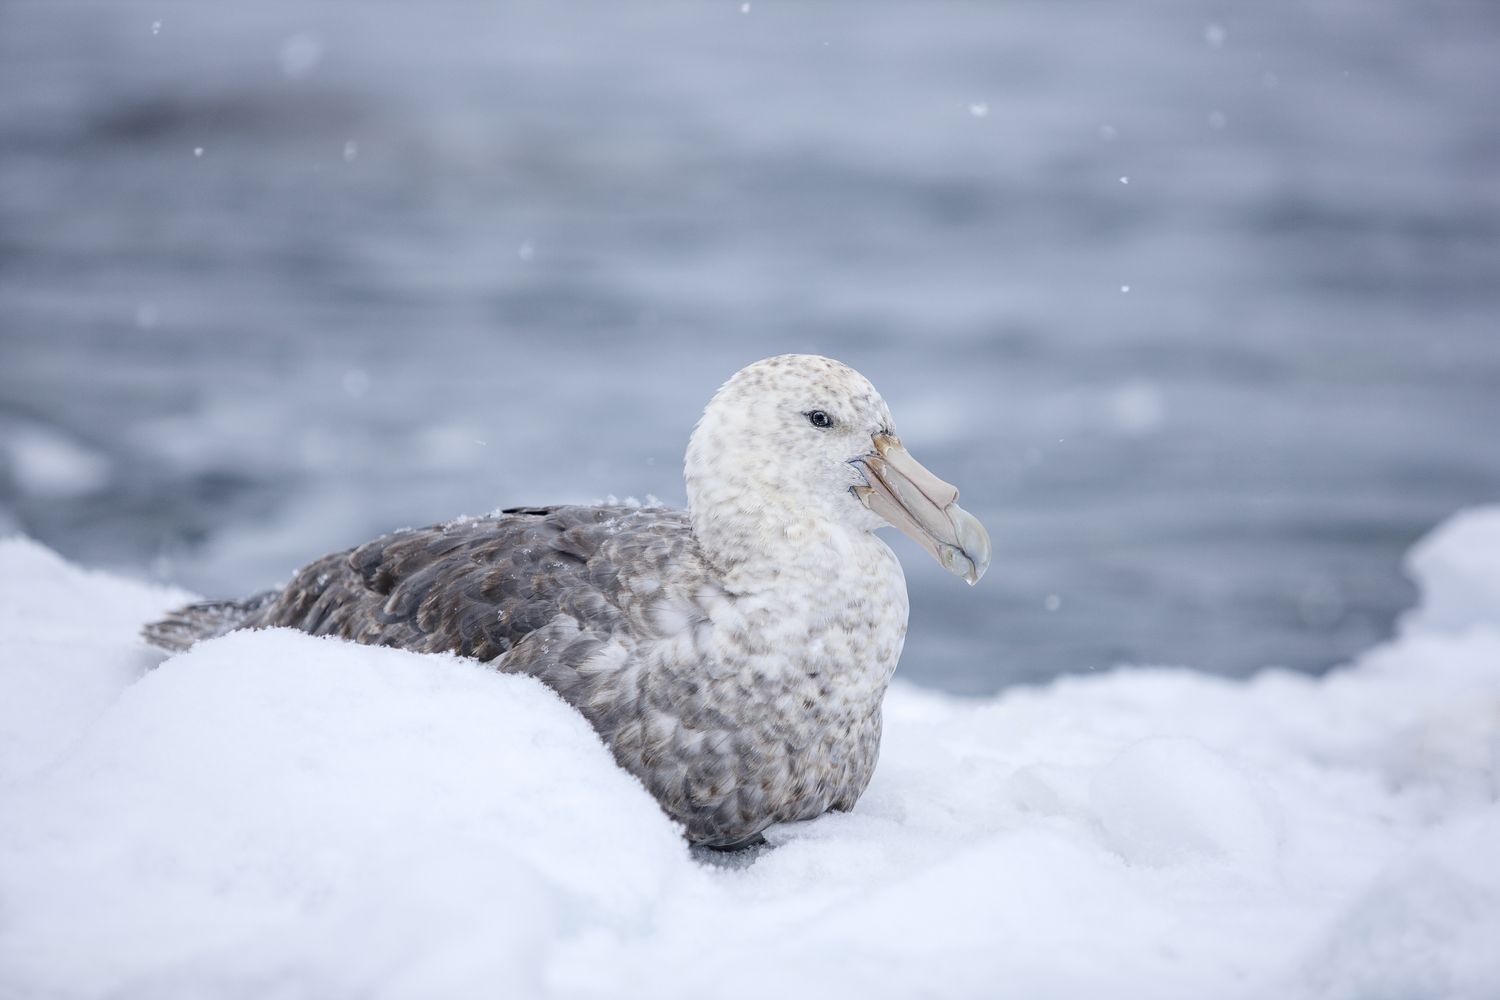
(819, 419)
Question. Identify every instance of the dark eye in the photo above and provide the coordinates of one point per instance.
(819, 419)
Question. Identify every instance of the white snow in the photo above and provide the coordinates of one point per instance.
(276, 815)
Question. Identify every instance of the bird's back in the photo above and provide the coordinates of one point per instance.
(485, 587)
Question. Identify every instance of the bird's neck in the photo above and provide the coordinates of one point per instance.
(829, 600)
(761, 540)
(776, 549)
(752, 537)
(827, 597)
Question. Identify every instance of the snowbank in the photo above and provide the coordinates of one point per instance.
(277, 815)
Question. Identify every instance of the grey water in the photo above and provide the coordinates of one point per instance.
(1197, 302)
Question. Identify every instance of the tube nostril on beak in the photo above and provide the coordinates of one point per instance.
(925, 508)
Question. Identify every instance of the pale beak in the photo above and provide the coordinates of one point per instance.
(924, 507)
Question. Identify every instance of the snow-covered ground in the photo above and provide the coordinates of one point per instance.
(277, 815)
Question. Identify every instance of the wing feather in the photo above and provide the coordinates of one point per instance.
(488, 587)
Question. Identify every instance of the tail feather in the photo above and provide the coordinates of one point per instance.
(182, 628)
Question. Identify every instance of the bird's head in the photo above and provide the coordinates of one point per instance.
(805, 436)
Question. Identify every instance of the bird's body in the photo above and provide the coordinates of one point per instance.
(733, 656)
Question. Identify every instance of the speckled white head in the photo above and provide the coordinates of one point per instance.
(799, 439)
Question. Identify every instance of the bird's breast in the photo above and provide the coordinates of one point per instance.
(767, 709)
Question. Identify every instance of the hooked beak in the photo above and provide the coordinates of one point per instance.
(924, 507)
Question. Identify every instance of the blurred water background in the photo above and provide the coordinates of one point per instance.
(1199, 303)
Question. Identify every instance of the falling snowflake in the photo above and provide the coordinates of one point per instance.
(300, 54)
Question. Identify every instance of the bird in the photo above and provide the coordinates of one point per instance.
(733, 656)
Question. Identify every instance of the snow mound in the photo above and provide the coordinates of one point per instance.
(1455, 566)
(1166, 800)
(272, 814)
(68, 648)
(260, 802)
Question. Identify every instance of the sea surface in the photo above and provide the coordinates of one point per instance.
(1198, 303)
